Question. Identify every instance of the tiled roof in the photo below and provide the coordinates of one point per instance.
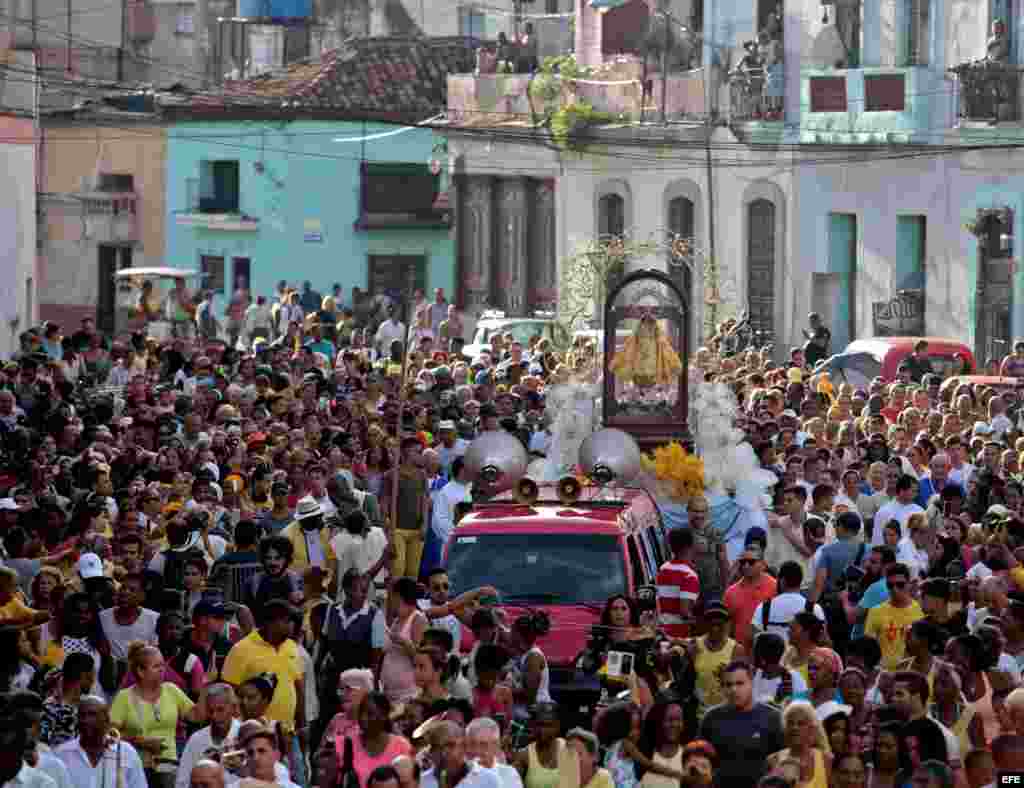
(375, 75)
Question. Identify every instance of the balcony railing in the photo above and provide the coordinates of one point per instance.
(621, 89)
(111, 217)
(988, 91)
(757, 95)
(217, 212)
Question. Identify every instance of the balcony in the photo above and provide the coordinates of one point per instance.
(618, 89)
(141, 22)
(988, 93)
(214, 211)
(874, 105)
(110, 217)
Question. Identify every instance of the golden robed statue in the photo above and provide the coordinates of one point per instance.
(647, 358)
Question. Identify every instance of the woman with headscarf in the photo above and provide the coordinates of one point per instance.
(824, 667)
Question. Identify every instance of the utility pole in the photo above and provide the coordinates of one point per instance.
(709, 115)
(200, 25)
(664, 63)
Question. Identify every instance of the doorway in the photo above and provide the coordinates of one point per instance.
(995, 284)
(110, 259)
(398, 277)
(761, 270)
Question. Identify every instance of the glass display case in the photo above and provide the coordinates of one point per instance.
(646, 358)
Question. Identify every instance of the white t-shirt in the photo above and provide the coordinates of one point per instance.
(120, 637)
(359, 552)
(765, 688)
(449, 622)
(915, 558)
(893, 511)
(783, 610)
(961, 475)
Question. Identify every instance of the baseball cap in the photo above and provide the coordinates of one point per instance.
(90, 566)
(210, 607)
(8, 504)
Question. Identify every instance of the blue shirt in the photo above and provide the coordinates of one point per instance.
(925, 491)
(874, 595)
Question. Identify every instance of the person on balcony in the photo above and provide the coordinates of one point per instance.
(997, 48)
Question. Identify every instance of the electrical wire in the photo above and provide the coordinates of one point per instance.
(234, 99)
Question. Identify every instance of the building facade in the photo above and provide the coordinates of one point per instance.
(102, 208)
(19, 169)
(330, 202)
(850, 158)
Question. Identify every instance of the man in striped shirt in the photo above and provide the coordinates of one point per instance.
(678, 585)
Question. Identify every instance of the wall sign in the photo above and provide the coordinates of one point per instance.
(899, 316)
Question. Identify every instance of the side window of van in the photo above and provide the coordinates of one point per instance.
(640, 574)
(651, 560)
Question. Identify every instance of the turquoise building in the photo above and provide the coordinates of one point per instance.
(353, 204)
(323, 172)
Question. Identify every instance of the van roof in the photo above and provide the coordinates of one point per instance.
(592, 517)
(879, 346)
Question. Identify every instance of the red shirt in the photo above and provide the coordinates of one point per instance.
(742, 600)
(677, 583)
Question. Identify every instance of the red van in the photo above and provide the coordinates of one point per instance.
(866, 359)
(564, 560)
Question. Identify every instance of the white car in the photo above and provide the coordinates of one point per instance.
(522, 328)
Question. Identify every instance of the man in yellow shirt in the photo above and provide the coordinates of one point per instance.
(889, 622)
(270, 649)
(310, 539)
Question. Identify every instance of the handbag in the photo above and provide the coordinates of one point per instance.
(348, 777)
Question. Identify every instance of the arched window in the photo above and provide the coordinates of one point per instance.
(611, 215)
(681, 224)
(761, 266)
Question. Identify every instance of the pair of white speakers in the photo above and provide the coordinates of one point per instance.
(496, 462)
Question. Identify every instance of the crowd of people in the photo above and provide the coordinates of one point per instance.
(222, 564)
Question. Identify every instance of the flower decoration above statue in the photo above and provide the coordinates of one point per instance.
(647, 368)
(732, 480)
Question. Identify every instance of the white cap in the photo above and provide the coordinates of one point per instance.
(8, 504)
(89, 566)
(828, 708)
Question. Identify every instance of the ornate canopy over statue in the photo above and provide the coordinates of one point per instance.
(645, 333)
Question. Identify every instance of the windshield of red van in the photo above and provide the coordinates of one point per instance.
(539, 568)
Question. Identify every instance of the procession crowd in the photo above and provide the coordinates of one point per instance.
(223, 564)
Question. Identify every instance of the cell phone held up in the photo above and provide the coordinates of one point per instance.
(620, 664)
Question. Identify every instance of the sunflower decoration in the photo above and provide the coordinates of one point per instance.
(680, 474)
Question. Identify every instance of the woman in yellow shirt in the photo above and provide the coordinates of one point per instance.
(148, 713)
(807, 746)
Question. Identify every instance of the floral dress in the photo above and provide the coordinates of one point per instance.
(621, 768)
